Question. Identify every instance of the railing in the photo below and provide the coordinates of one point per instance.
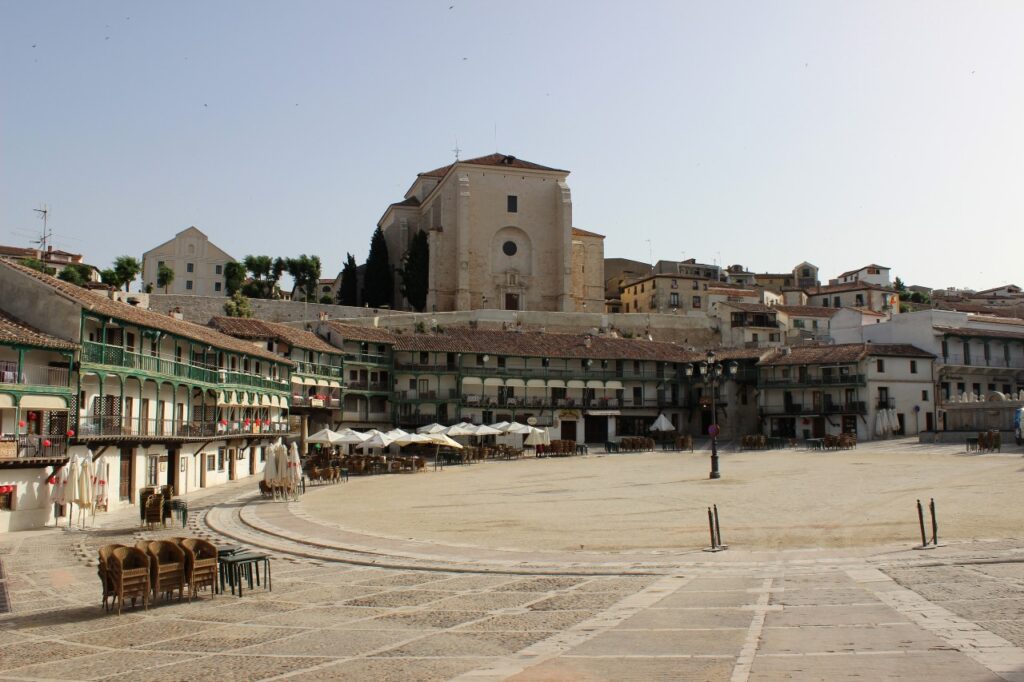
(886, 403)
(119, 357)
(369, 358)
(367, 417)
(119, 427)
(822, 380)
(378, 386)
(417, 419)
(27, 446)
(443, 394)
(425, 367)
(799, 409)
(33, 375)
(970, 361)
(313, 401)
(317, 369)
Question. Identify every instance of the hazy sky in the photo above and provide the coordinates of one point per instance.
(760, 133)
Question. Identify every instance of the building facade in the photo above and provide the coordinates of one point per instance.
(198, 265)
(500, 235)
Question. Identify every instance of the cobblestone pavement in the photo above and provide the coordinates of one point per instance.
(379, 611)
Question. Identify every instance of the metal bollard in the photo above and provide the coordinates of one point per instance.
(920, 518)
(711, 526)
(715, 530)
(718, 528)
(935, 524)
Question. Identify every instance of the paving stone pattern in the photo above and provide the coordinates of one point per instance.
(958, 616)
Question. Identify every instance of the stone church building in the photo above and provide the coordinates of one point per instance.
(501, 237)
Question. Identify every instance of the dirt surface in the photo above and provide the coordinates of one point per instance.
(772, 500)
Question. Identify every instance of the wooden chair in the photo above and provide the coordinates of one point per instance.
(154, 510)
(200, 565)
(129, 574)
(103, 571)
(167, 568)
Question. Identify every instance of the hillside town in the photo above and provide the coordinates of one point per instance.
(480, 302)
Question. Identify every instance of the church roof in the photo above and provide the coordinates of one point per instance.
(577, 232)
(496, 159)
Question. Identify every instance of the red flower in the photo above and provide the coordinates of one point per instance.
(22, 423)
(71, 433)
(47, 443)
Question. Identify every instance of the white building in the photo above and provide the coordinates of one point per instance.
(198, 265)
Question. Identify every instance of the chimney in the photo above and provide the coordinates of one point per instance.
(176, 313)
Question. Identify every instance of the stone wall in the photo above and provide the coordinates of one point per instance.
(200, 309)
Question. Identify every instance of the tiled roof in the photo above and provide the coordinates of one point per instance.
(98, 303)
(496, 159)
(867, 311)
(18, 251)
(963, 332)
(749, 307)
(806, 310)
(14, 331)
(545, 344)
(248, 328)
(848, 286)
(411, 201)
(352, 332)
(843, 353)
(728, 291)
(864, 267)
(577, 232)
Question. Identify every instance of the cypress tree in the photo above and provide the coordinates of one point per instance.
(377, 283)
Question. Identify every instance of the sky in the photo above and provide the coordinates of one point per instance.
(760, 134)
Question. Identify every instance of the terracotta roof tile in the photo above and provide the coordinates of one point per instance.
(806, 310)
(248, 328)
(980, 333)
(99, 303)
(749, 307)
(843, 353)
(352, 332)
(496, 159)
(577, 232)
(848, 286)
(14, 331)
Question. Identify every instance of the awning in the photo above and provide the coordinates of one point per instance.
(556, 383)
(6, 400)
(594, 383)
(43, 402)
(309, 382)
(466, 381)
(576, 383)
(334, 384)
(603, 413)
(265, 400)
(613, 384)
(490, 381)
(297, 380)
(515, 382)
(535, 383)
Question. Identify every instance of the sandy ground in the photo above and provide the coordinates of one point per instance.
(772, 500)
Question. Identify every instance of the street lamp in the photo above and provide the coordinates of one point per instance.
(711, 373)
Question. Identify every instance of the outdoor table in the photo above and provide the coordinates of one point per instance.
(815, 443)
(237, 564)
(180, 510)
(581, 449)
(972, 444)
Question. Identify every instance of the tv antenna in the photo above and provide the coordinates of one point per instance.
(456, 150)
(44, 240)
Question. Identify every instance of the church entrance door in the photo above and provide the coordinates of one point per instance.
(511, 301)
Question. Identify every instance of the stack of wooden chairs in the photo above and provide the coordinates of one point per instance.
(154, 568)
(635, 444)
(990, 441)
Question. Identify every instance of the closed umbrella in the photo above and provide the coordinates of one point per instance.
(294, 470)
(281, 465)
(100, 495)
(270, 468)
(70, 488)
(85, 491)
(894, 421)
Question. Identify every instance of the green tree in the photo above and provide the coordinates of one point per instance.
(265, 272)
(110, 278)
(76, 273)
(900, 286)
(234, 277)
(415, 272)
(377, 283)
(326, 299)
(164, 276)
(237, 306)
(348, 290)
(127, 269)
(39, 265)
(305, 270)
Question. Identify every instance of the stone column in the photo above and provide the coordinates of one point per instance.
(463, 285)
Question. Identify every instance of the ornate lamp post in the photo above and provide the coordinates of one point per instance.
(711, 373)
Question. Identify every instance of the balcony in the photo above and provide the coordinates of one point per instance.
(145, 429)
(34, 375)
(426, 368)
(32, 446)
(425, 396)
(799, 409)
(369, 386)
(328, 403)
(886, 403)
(971, 361)
(820, 380)
(316, 369)
(372, 417)
(368, 358)
(116, 356)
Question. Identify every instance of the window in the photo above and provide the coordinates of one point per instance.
(188, 284)
(501, 362)
(836, 302)
(773, 336)
(7, 500)
(880, 365)
(754, 337)
(924, 394)
(513, 203)
(913, 366)
(860, 299)
(696, 301)
(159, 264)
(424, 358)
(190, 267)
(798, 324)
(673, 299)
(211, 462)
(216, 286)
(220, 459)
(696, 285)
(675, 284)
(509, 248)
(480, 360)
(218, 269)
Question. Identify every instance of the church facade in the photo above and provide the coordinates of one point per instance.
(501, 237)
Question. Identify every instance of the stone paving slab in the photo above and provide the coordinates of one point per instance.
(925, 666)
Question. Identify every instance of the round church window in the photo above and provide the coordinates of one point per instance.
(509, 248)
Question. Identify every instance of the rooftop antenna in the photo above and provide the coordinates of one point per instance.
(44, 240)
(650, 254)
(495, 136)
(456, 150)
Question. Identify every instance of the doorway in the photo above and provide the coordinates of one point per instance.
(172, 471)
(569, 430)
(595, 429)
(232, 469)
(126, 483)
(511, 301)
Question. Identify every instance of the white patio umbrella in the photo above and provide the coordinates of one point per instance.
(535, 437)
(516, 427)
(325, 436)
(484, 430)
(662, 424)
(281, 465)
(413, 439)
(377, 440)
(395, 434)
(431, 428)
(461, 429)
(440, 439)
(501, 426)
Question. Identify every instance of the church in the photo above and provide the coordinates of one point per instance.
(501, 237)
